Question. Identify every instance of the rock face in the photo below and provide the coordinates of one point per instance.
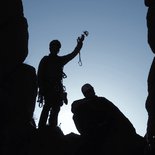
(18, 81)
(14, 36)
(150, 101)
(50, 140)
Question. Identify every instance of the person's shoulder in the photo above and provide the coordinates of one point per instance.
(103, 99)
(78, 101)
(44, 59)
(105, 102)
(76, 104)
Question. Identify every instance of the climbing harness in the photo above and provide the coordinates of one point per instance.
(85, 34)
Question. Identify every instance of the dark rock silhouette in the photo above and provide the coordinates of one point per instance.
(13, 38)
(48, 140)
(18, 95)
(150, 23)
(18, 81)
(150, 101)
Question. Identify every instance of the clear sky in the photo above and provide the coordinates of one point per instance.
(116, 57)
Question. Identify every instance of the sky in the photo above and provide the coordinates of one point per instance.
(115, 56)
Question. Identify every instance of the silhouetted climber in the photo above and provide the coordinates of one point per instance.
(50, 76)
(150, 102)
(99, 120)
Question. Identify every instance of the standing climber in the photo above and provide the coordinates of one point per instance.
(50, 81)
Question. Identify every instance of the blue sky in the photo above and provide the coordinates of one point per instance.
(116, 57)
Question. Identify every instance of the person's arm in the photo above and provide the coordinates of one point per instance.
(41, 70)
(40, 74)
(69, 57)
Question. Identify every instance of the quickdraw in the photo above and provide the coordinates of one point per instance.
(85, 34)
